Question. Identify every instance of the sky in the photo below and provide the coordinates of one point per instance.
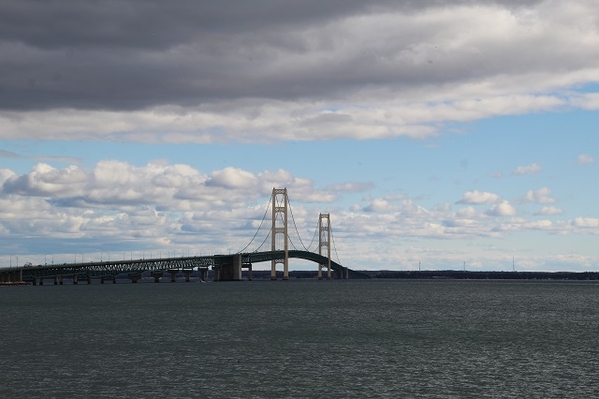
(438, 135)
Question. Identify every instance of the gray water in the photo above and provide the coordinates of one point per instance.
(301, 339)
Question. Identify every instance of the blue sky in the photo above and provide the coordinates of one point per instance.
(430, 137)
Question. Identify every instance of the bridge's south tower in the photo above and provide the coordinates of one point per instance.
(279, 228)
(324, 242)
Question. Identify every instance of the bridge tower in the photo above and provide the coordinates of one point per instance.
(279, 227)
(324, 241)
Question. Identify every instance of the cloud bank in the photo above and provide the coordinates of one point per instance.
(201, 72)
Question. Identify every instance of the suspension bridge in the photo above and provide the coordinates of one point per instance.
(224, 267)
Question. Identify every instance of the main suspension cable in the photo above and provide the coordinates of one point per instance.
(259, 227)
(314, 236)
(334, 246)
(295, 224)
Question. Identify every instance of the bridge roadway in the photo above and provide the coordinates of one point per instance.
(226, 267)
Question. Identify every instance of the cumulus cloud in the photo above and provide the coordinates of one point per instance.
(532, 169)
(504, 208)
(540, 196)
(162, 206)
(478, 197)
(231, 178)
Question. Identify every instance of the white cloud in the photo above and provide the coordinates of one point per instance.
(231, 178)
(549, 210)
(504, 208)
(532, 169)
(584, 159)
(586, 222)
(587, 101)
(468, 212)
(541, 196)
(478, 197)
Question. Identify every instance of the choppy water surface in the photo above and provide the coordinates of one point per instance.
(301, 339)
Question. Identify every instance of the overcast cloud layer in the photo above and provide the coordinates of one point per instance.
(293, 70)
(269, 72)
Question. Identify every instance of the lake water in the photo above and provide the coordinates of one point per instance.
(301, 339)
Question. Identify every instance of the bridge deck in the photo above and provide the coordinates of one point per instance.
(114, 268)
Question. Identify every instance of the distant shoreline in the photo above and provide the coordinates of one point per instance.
(480, 275)
(445, 274)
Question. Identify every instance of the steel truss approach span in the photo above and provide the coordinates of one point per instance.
(133, 268)
(115, 268)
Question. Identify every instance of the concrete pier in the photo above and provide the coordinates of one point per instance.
(173, 274)
(249, 267)
(203, 273)
(227, 268)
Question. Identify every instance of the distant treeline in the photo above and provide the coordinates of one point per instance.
(443, 274)
(482, 275)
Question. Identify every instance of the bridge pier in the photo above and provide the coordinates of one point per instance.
(134, 277)
(12, 276)
(108, 278)
(227, 268)
(203, 271)
(157, 276)
(173, 274)
(187, 274)
(249, 267)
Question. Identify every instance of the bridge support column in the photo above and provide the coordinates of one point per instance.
(75, 279)
(134, 277)
(173, 274)
(228, 268)
(41, 281)
(103, 279)
(249, 267)
(55, 280)
(89, 279)
(187, 273)
(203, 271)
(157, 276)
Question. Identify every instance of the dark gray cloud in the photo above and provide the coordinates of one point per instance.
(126, 55)
(154, 24)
